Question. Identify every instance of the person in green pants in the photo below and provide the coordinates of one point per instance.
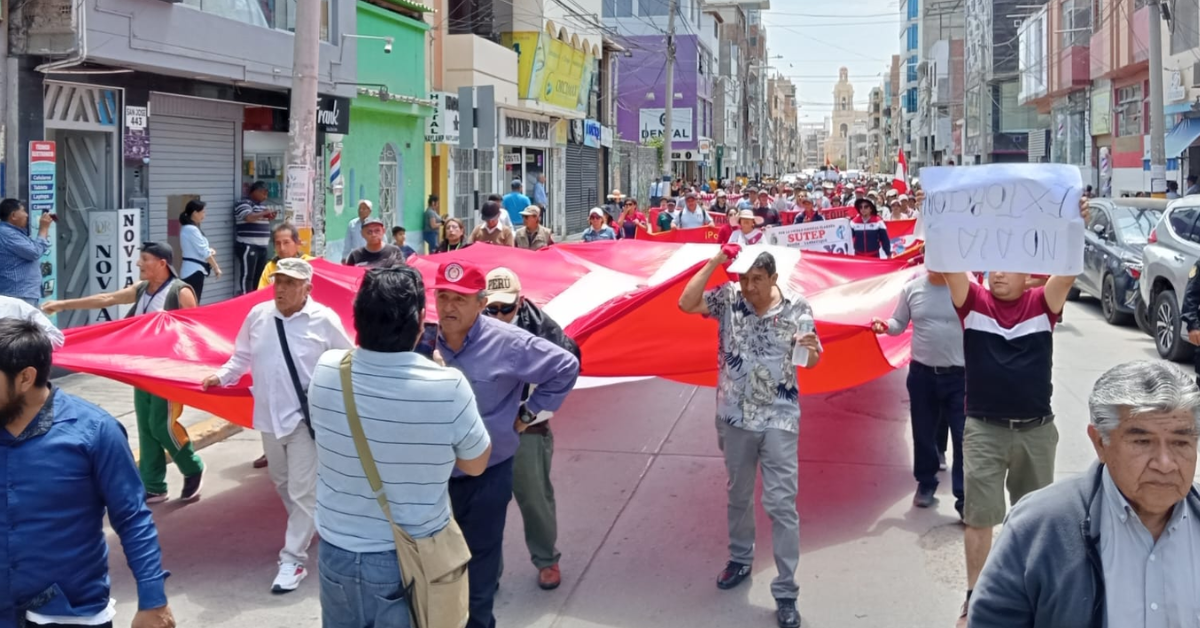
(531, 466)
(159, 432)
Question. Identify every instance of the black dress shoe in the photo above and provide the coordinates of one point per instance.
(786, 614)
(733, 575)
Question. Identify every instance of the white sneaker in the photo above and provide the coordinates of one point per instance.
(288, 578)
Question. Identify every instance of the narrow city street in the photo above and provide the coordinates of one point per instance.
(640, 487)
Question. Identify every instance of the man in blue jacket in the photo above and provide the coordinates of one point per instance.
(66, 463)
(1118, 545)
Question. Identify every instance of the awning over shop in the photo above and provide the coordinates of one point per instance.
(1182, 136)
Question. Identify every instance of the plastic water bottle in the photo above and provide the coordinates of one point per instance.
(800, 352)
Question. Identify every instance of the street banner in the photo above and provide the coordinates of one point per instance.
(826, 236)
(698, 235)
(1012, 217)
(43, 173)
(619, 301)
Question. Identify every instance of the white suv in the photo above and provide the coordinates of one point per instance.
(1173, 248)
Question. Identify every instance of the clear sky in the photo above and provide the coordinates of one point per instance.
(816, 38)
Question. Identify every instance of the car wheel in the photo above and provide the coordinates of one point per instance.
(1073, 294)
(1167, 337)
(1108, 303)
(1141, 316)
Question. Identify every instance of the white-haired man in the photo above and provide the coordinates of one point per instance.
(279, 344)
(1117, 546)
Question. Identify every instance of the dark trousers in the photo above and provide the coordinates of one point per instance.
(33, 625)
(480, 506)
(936, 394)
(196, 281)
(251, 260)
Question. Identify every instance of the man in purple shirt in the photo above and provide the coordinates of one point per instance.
(499, 360)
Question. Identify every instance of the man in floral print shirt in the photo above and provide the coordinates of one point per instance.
(758, 412)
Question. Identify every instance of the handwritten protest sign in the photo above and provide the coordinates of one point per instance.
(826, 236)
(1012, 217)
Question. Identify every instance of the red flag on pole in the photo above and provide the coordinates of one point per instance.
(900, 181)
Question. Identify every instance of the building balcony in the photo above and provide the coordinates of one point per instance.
(1072, 72)
(1118, 48)
(471, 60)
(940, 96)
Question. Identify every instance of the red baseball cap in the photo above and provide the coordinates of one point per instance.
(460, 278)
(859, 191)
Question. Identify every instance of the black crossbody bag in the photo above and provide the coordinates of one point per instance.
(291, 366)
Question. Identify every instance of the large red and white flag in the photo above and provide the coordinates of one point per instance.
(900, 181)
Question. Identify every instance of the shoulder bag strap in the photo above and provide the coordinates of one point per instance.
(364, 450)
(301, 394)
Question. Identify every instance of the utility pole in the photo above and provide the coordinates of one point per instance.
(301, 188)
(1158, 149)
(668, 131)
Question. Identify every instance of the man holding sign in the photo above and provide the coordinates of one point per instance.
(1023, 217)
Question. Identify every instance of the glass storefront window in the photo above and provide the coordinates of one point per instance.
(277, 14)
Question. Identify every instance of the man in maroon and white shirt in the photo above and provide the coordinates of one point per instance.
(1009, 438)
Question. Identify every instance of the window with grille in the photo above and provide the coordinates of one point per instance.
(464, 180)
(1129, 110)
(389, 182)
(617, 8)
(650, 8)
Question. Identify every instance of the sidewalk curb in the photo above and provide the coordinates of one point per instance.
(208, 432)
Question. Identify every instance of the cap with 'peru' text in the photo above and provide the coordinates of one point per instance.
(503, 286)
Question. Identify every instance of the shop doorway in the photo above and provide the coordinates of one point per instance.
(86, 175)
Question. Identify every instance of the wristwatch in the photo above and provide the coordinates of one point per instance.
(525, 416)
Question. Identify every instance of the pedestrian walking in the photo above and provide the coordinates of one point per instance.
(937, 382)
(1009, 440)
(399, 240)
(1116, 545)
(515, 202)
(253, 233)
(630, 220)
(355, 238)
(532, 488)
(763, 210)
(532, 236)
(491, 231)
(764, 334)
(597, 227)
(499, 361)
(419, 418)
(433, 224)
(869, 231)
(159, 431)
(749, 231)
(456, 238)
(199, 259)
(279, 344)
(18, 309)
(539, 191)
(505, 221)
(287, 246)
(692, 215)
(66, 465)
(21, 254)
(375, 253)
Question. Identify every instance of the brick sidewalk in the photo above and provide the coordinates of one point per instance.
(117, 398)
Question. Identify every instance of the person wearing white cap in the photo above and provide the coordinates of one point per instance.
(749, 231)
(354, 231)
(279, 345)
(598, 228)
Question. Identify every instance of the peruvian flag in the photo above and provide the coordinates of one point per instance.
(899, 181)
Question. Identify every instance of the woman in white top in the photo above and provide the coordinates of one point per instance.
(748, 232)
(198, 258)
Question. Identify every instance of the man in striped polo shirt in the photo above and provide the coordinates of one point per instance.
(1009, 438)
(253, 234)
(421, 422)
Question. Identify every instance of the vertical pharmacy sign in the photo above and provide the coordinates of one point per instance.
(43, 165)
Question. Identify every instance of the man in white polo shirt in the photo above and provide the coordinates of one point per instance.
(420, 421)
(279, 345)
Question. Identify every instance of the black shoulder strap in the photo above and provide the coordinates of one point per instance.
(291, 366)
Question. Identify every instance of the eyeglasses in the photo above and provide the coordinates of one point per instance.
(496, 310)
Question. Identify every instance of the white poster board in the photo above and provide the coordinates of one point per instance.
(297, 195)
(825, 236)
(114, 243)
(1012, 217)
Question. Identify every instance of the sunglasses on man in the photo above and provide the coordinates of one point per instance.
(498, 309)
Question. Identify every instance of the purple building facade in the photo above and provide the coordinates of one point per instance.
(641, 91)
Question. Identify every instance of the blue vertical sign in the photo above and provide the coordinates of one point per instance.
(43, 170)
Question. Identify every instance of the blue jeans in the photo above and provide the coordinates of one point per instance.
(936, 395)
(431, 240)
(361, 590)
(480, 506)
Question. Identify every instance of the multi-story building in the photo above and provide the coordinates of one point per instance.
(812, 137)
(730, 96)
(893, 115)
(1181, 81)
(1119, 117)
(996, 126)
(927, 29)
(782, 103)
(875, 130)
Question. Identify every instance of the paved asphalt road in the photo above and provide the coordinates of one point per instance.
(641, 503)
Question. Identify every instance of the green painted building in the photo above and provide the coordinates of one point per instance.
(382, 159)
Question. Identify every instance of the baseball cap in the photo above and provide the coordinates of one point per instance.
(372, 221)
(460, 278)
(503, 286)
(532, 210)
(903, 197)
(596, 211)
(859, 191)
(163, 252)
(369, 204)
(295, 268)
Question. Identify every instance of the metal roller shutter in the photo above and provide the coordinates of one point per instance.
(196, 156)
(583, 163)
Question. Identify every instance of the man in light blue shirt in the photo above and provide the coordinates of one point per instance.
(20, 254)
(515, 202)
(539, 191)
(499, 360)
